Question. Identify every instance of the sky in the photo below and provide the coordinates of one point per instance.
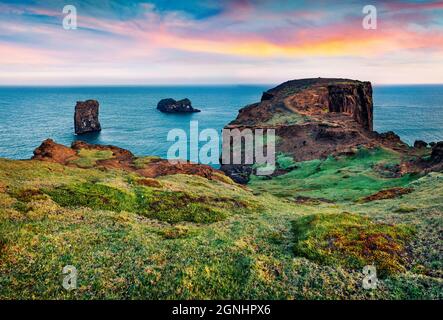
(134, 42)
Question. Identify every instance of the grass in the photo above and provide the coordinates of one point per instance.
(282, 161)
(337, 179)
(285, 162)
(88, 158)
(93, 195)
(286, 118)
(187, 237)
(352, 241)
(164, 205)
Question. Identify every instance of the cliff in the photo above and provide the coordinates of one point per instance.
(315, 118)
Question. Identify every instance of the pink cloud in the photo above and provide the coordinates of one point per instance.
(242, 32)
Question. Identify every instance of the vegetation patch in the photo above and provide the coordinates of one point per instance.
(20, 206)
(285, 162)
(94, 196)
(26, 195)
(405, 209)
(88, 157)
(175, 207)
(346, 178)
(286, 118)
(141, 162)
(2, 245)
(175, 232)
(170, 206)
(351, 240)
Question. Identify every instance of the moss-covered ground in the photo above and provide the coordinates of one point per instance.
(192, 238)
(345, 178)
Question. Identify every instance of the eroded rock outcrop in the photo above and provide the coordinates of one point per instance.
(121, 159)
(353, 98)
(172, 106)
(314, 118)
(86, 117)
(54, 152)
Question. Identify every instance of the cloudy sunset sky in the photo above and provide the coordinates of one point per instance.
(215, 42)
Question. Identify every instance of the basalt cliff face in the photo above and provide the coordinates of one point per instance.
(314, 96)
(314, 118)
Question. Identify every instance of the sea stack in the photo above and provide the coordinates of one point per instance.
(172, 106)
(86, 117)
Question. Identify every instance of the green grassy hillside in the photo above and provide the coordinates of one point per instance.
(304, 235)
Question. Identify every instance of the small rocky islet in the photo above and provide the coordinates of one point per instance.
(86, 117)
(344, 197)
(170, 105)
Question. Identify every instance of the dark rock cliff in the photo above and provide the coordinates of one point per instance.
(354, 99)
(313, 118)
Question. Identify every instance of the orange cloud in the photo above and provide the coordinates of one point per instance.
(341, 39)
(153, 42)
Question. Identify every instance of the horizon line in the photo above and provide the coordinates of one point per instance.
(187, 84)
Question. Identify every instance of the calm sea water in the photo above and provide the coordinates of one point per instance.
(130, 120)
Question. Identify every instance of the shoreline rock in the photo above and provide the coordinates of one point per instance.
(170, 105)
(122, 159)
(86, 117)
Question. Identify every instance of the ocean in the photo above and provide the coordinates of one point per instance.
(129, 119)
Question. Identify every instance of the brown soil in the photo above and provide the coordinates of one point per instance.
(388, 194)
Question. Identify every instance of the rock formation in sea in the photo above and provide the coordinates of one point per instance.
(172, 106)
(86, 117)
(313, 119)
